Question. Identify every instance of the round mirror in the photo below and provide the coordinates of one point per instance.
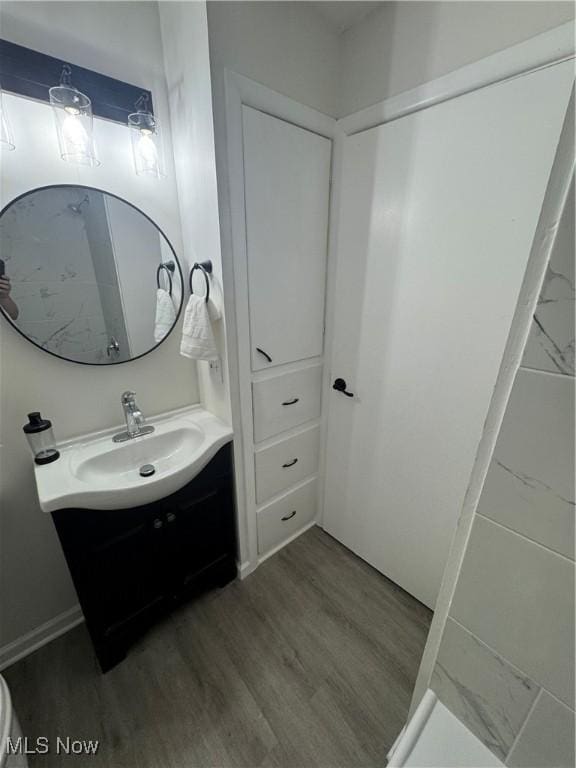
(86, 276)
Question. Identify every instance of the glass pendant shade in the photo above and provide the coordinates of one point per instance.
(73, 115)
(146, 141)
(6, 135)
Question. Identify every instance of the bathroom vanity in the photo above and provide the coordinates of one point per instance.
(138, 543)
(129, 566)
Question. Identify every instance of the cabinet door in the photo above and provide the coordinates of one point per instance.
(287, 183)
(199, 532)
(123, 572)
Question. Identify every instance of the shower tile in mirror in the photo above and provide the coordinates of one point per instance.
(83, 269)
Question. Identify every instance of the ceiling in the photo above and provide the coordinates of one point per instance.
(344, 14)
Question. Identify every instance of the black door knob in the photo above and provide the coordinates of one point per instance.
(340, 386)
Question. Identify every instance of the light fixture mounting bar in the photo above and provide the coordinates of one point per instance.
(31, 74)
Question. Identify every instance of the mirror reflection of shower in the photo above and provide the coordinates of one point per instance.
(82, 266)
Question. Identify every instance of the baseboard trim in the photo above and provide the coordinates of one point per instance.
(287, 541)
(245, 569)
(31, 641)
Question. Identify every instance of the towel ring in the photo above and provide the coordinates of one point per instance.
(206, 268)
(169, 268)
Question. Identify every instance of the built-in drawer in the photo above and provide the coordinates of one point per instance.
(284, 517)
(285, 401)
(286, 463)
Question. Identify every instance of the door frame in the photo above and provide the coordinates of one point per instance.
(543, 50)
(242, 91)
(538, 52)
(547, 49)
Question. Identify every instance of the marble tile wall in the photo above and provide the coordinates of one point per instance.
(551, 343)
(54, 286)
(491, 697)
(528, 488)
(506, 660)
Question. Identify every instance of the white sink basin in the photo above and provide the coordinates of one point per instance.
(95, 473)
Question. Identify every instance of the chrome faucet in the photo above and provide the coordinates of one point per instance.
(135, 421)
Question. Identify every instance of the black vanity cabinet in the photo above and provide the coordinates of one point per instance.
(131, 565)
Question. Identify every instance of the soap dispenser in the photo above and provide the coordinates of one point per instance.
(41, 439)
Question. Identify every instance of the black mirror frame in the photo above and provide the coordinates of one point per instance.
(176, 260)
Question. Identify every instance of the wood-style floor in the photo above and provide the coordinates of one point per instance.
(310, 661)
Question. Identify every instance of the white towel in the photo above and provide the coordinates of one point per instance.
(197, 335)
(165, 314)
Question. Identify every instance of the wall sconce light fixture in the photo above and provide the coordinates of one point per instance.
(73, 114)
(146, 140)
(6, 135)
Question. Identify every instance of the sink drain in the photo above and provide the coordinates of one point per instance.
(147, 470)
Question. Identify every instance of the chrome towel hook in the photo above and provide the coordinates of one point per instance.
(170, 268)
(206, 268)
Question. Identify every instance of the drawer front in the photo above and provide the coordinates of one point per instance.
(286, 463)
(284, 517)
(286, 401)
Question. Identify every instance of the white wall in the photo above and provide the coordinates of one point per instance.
(292, 49)
(185, 35)
(287, 46)
(404, 44)
(121, 40)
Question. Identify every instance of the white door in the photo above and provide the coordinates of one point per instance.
(437, 218)
(287, 189)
